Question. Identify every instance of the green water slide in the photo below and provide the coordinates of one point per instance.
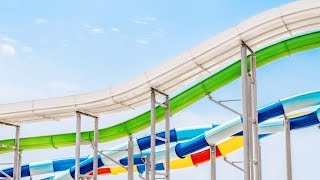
(184, 99)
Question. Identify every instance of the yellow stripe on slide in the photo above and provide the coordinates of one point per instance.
(295, 114)
(230, 145)
(118, 170)
(180, 163)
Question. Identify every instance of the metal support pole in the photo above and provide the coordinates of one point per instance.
(153, 135)
(95, 148)
(19, 166)
(167, 134)
(16, 154)
(249, 123)
(213, 162)
(288, 148)
(147, 167)
(246, 136)
(260, 162)
(254, 114)
(78, 143)
(130, 158)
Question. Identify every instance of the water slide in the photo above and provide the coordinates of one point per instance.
(218, 132)
(273, 34)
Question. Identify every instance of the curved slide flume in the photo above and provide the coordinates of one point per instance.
(210, 137)
(277, 31)
(222, 149)
(228, 146)
(177, 103)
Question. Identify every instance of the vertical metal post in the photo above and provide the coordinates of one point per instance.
(130, 158)
(167, 134)
(288, 148)
(213, 162)
(78, 143)
(245, 112)
(147, 167)
(95, 148)
(153, 135)
(260, 162)
(19, 166)
(16, 154)
(254, 114)
(249, 123)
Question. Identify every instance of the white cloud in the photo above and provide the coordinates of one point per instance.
(40, 21)
(150, 18)
(27, 49)
(8, 50)
(93, 29)
(97, 30)
(8, 39)
(143, 41)
(114, 29)
(143, 20)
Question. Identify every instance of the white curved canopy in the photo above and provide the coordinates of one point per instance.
(209, 56)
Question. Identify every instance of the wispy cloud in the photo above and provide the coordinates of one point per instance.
(27, 49)
(8, 39)
(114, 29)
(142, 41)
(93, 29)
(8, 50)
(40, 20)
(143, 20)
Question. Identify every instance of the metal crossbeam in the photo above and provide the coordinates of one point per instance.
(8, 124)
(161, 139)
(224, 106)
(233, 164)
(112, 160)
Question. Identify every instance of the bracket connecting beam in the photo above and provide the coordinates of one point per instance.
(222, 105)
(232, 163)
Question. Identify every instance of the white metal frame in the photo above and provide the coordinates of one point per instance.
(211, 55)
(166, 106)
(252, 164)
(288, 147)
(17, 153)
(95, 145)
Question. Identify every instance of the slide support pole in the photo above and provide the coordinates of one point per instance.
(166, 140)
(213, 162)
(78, 143)
(17, 173)
(288, 148)
(167, 137)
(95, 148)
(130, 158)
(246, 136)
(147, 164)
(153, 134)
(254, 120)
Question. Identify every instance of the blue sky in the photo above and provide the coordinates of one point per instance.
(55, 48)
